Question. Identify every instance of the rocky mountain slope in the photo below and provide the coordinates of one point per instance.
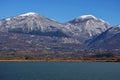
(107, 40)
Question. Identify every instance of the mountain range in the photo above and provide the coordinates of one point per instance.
(81, 28)
(32, 32)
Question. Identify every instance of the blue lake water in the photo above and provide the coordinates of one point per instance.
(59, 71)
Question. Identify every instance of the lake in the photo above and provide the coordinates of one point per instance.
(59, 71)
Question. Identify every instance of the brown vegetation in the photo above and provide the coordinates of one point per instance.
(57, 58)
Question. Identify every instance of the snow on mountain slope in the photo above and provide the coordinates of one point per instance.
(86, 17)
(29, 14)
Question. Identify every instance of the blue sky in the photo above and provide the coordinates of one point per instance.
(63, 10)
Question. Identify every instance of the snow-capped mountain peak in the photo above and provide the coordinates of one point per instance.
(86, 17)
(7, 19)
(28, 14)
(87, 26)
(118, 25)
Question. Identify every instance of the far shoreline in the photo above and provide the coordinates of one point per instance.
(59, 61)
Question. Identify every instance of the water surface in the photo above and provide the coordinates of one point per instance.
(59, 71)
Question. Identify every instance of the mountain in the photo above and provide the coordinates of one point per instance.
(86, 27)
(32, 23)
(81, 28)
(107, 40)
(33, 36)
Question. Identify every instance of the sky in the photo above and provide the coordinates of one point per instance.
(63, 10)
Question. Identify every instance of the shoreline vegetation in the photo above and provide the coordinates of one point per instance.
(63, 60)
